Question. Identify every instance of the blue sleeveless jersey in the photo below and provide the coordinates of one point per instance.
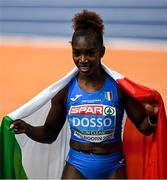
(95, 117)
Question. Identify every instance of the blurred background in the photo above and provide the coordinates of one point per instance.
(35, 49)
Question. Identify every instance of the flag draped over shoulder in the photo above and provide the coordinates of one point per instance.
(21, 157)
(151, 150)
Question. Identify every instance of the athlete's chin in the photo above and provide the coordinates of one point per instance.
(86, 73)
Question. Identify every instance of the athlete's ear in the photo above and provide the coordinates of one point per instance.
(103, 51)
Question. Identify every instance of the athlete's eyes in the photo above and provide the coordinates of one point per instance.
(90, 53)
(76, 53)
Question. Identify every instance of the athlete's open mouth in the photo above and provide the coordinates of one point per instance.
(84, 68)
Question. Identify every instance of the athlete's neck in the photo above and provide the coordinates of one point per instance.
(98, 76)
(92, 82)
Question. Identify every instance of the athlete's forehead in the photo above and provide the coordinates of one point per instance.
(84, 42)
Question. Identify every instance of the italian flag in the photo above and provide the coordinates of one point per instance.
(108, 95)
(23, 158)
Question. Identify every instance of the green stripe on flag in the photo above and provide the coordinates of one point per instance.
(105, 95)
(10, 153)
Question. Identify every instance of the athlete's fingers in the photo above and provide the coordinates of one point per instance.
(18, 126)
(151, 109)
(14, 124)
(18, 131)
(11, 127)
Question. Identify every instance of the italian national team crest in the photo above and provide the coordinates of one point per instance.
(108, 95)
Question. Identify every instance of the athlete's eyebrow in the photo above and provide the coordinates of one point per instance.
(78, 49)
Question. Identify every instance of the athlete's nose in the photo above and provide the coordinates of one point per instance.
(83, 59)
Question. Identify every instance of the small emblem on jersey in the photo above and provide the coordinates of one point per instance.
(108, 95)
(109, 110)
(76, 97)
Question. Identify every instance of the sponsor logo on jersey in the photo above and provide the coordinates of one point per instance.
(93, 109)
(91, 101)
(94, 136)
(76, 97)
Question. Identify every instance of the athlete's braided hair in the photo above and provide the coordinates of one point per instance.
(88, 23)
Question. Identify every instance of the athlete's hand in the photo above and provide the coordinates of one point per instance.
(19, 126)
(152, 110)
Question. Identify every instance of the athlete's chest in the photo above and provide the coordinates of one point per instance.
(93, 116)
(92, 103)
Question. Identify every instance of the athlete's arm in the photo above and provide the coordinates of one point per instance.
(140, 114)
(53, 124)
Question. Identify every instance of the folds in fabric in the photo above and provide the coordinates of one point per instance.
(10, 153)
(151, 150)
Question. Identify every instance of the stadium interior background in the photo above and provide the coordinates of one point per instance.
(35, 50)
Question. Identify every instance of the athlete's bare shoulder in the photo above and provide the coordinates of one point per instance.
(61, 96)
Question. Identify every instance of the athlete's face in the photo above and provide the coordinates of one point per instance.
(87, 54)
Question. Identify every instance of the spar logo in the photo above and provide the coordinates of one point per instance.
(109, 110)
(93, 109)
